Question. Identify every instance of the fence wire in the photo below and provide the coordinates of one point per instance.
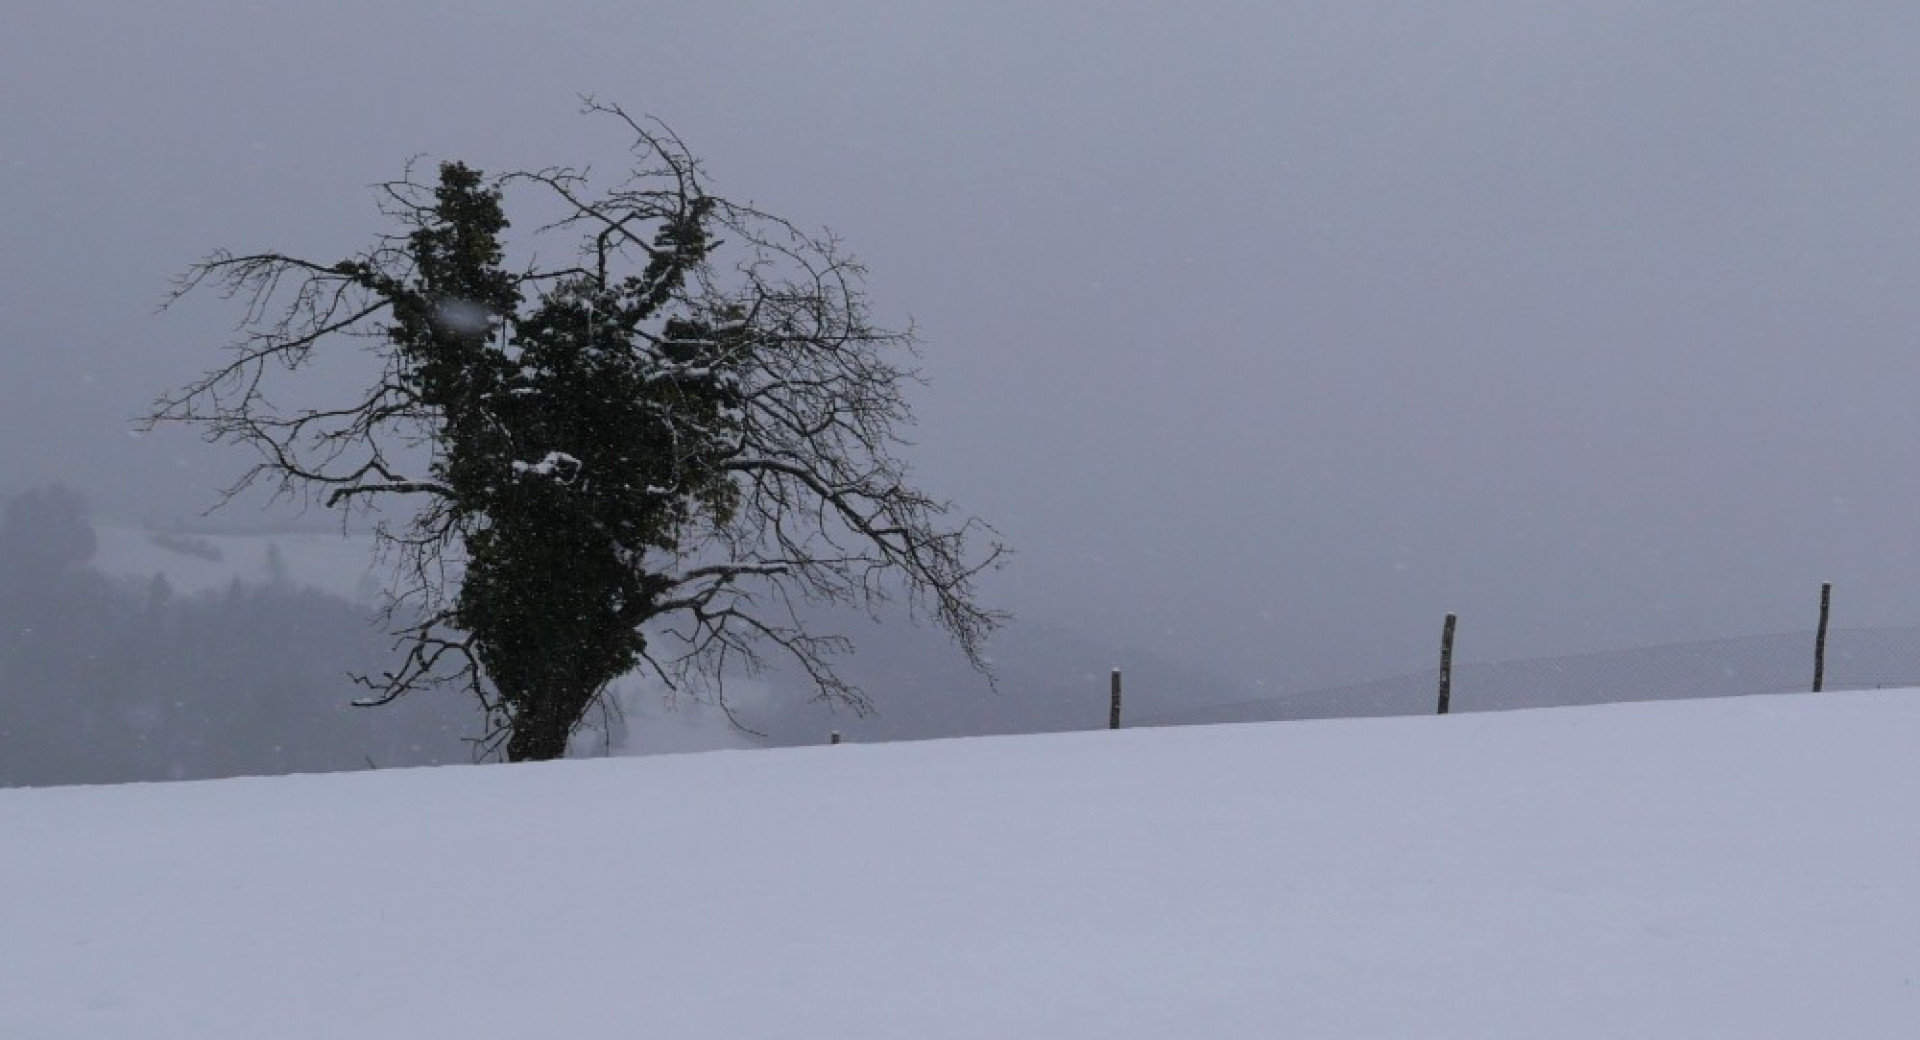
(1857, 658)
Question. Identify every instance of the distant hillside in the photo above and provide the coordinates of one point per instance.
(128, 655)
(202, 561)
(1857, 658)
(1048, 679)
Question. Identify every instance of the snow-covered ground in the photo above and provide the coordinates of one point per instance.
(1739, 868)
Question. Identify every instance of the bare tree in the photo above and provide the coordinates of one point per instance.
(647, 456)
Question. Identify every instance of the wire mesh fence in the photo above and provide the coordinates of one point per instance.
(1856, 658)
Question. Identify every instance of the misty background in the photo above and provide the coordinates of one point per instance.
(1266, 334)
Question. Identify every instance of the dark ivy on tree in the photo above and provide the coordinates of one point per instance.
(643, 458)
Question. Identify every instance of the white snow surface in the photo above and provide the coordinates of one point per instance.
(554, 462)
(1732, 868)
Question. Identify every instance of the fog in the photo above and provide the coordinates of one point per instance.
(1265, 333)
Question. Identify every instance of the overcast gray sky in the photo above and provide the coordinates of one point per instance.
(1265, 332)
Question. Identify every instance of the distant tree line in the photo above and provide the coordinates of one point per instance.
(105, 680)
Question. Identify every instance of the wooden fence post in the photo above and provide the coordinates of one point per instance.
(1113, 706)
(1446, 665)
(1820, 641)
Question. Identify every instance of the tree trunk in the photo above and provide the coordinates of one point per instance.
(539, 737)
(543, 727)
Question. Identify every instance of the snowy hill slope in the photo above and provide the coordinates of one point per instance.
(196, 562)
(1738, 868)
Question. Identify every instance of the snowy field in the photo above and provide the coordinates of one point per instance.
(1737, 868)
